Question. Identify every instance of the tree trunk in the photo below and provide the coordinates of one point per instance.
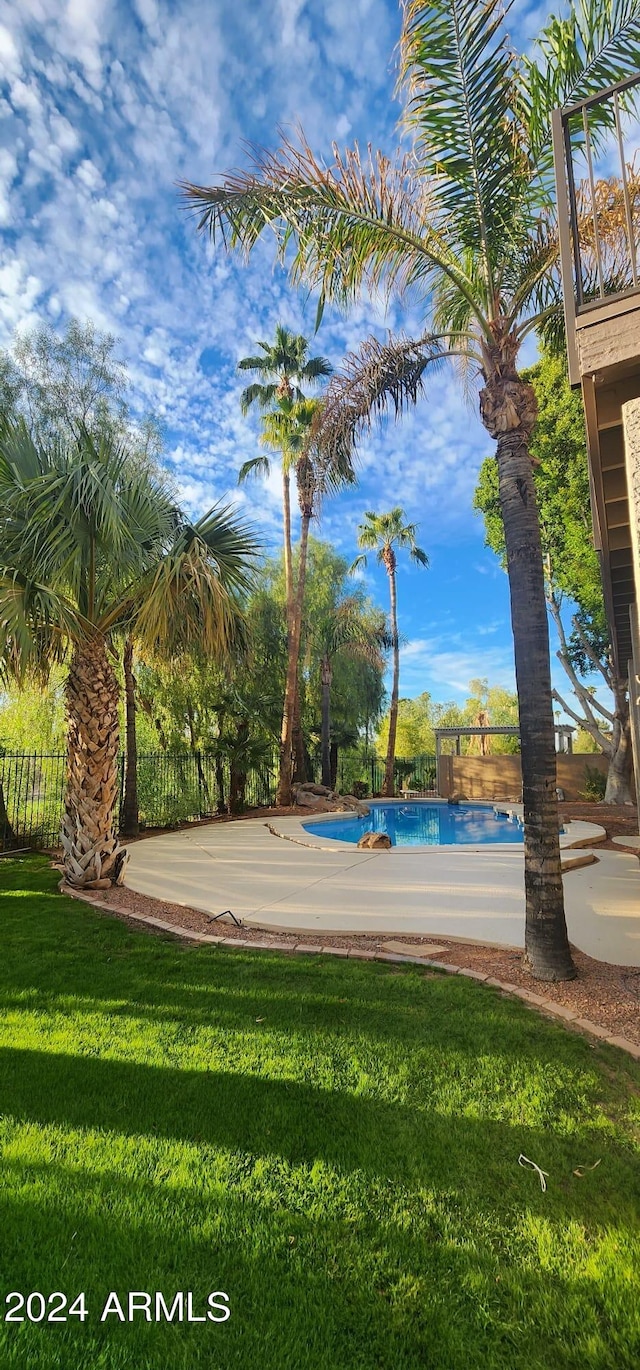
(325, 728)
(129, 822)
(388, 787)
(333, 773)
(297, 739)
(7, 835)
(288, 557)
(508, 412)
(238, 775)
(93, 858)
(618, 789)
(284, 797)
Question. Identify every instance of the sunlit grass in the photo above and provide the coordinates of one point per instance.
(333, 1144)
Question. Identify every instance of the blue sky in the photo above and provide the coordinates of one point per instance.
(105, 105)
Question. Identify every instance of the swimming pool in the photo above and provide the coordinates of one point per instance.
(423, 824)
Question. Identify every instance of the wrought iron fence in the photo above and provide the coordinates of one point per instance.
(173, 787)
(366, 768)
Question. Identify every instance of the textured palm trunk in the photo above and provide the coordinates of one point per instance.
(508, 411)
(7, 835)
(129, 823)
(325, 727)
(284, 796)
(388, 787)
(93, 858)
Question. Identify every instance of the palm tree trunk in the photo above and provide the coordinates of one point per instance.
(546, 943)
(325, 729)
(284, 782)
(288, 556)
(297, 738)
(7, 835)
(388, 787)
(129, 825)
(93, 858)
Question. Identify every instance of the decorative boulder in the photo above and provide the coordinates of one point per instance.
(375, 841)
(309, 787)
(308, 799)
(349, 802)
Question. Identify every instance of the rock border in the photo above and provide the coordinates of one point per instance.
(537, 1001)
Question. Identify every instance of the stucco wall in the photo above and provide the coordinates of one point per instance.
(500, 777)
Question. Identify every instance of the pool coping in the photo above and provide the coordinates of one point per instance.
(577, 834)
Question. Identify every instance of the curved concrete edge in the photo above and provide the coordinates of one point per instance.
(631, 841)
(537, 1001)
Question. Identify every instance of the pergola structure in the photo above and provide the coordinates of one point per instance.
(564, 736)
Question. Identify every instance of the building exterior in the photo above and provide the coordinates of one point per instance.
(596, 157)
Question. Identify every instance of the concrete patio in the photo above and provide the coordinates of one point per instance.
(475, 894)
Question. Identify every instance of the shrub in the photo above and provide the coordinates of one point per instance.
(360, 789)
(595, 784)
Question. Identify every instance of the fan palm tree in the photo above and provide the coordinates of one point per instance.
(465, 226)
(382, 533)
(94, 546)
(343, 630)
(283, 366)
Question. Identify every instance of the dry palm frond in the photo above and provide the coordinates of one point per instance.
(379, 376)
(608, 214)
(364, 220)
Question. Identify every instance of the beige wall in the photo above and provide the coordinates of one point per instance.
(500, 777)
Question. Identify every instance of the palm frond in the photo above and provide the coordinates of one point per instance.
(457, 67)
(255, 466)
(363, 221)
(379, 377)
(594, 46)
(264, 395)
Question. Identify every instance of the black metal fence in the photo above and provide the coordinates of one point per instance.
(173, 788)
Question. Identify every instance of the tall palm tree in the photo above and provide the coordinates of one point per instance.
(315, 476)
(345, 629)
(283, 366)
(465, 225)
(93, 546)
(382, 533)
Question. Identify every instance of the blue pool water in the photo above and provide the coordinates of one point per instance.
(423, 824)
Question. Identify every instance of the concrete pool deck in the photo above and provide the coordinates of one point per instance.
(468, 893)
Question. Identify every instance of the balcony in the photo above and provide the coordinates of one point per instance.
(597, 166)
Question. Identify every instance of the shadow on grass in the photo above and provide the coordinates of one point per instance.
(300, 1123)
(308, 1292)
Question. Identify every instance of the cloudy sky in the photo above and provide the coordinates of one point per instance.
(105, 105)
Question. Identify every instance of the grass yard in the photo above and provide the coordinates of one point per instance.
(334, 1145)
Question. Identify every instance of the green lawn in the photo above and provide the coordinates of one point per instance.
(334, 1145)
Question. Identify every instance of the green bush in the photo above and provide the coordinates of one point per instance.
(595, 784)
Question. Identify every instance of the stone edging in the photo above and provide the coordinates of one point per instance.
(538, 1001)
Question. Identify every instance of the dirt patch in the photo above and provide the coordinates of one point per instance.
(606, 995)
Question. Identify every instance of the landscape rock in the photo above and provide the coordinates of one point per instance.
(375, 841)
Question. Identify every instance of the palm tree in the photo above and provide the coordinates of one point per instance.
(464, 224)
(94, 547)
(291, 431)
(343, 630)
(283, 366)
(383, 533)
